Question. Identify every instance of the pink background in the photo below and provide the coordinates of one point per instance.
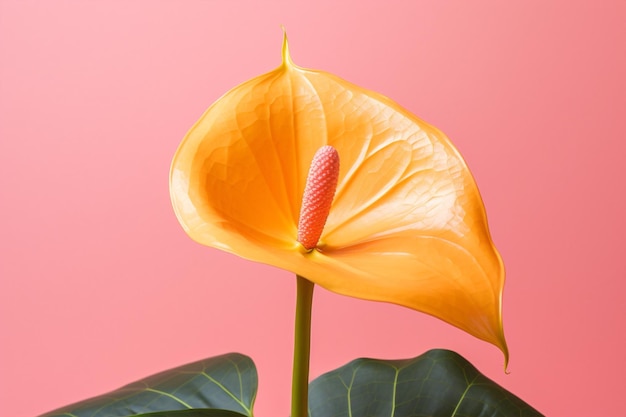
(100, 286)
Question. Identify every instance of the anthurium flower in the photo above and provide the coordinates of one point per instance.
(406, 225)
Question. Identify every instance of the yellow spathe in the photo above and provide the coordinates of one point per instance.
(407, 224)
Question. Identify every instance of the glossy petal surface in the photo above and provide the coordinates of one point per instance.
(407, 224)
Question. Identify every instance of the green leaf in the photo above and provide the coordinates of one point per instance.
(227, 383)
(437, 383)
(197, 412)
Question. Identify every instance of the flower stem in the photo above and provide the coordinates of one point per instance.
(302, 349)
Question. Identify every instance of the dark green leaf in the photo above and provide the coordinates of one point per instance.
(437, 383)
(197, 412)
(227, 382)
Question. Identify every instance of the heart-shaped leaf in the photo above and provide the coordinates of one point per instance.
(196, 412)
(225, 383)
(437, 383)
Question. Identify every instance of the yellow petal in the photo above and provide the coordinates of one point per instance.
(407, 225)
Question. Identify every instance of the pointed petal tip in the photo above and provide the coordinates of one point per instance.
(505, 351)
(285, 49)
(500, 343)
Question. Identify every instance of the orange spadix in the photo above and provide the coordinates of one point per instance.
(318, 196)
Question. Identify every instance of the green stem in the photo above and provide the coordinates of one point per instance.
(302, 349)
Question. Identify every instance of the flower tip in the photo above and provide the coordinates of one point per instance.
(506, 360)
(285, 49)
